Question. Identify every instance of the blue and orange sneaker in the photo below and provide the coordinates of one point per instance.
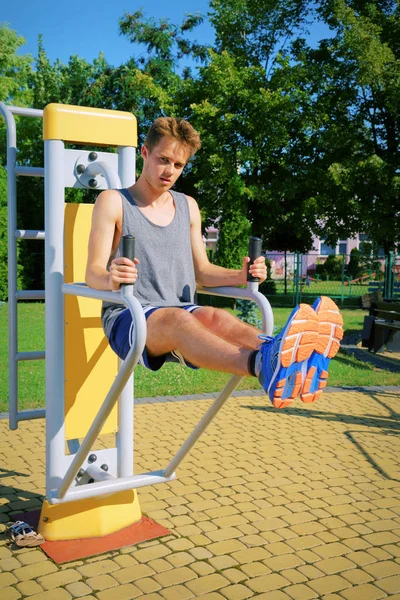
(328, 344)
(282, 358)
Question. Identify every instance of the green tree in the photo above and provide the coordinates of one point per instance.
(148, 84)
(14, 68)
(233, 239)
(14, 74)
(256, 123)
(358, 147)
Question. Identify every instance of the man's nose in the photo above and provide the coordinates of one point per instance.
(168, 169)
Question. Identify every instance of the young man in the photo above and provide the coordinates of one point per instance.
(171, 259)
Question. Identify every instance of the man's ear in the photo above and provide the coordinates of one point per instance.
(144, 151)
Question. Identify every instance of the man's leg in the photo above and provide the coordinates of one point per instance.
(176, 329)
(228, 327)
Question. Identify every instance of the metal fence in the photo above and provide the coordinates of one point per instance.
(293, 278)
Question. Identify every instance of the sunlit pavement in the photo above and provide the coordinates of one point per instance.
(294, 504)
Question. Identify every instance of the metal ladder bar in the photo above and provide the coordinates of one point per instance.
(14, 295)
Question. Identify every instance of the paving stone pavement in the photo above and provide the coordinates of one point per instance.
(296, 504)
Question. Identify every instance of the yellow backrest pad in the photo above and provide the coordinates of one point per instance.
(87, 125)
(90, 364)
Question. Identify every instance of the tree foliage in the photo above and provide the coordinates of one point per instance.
(360, 70)
(297, 140)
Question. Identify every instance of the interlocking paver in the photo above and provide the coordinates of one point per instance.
(177, 592)
(301, 592)
(207, 584)
(128, 574)
(147, 585)
(329, 584)
(250, 555)
(78, 589)
(255, 569)
(101, 582)
(202, 568)
(29, 588)
(33, 571)
(124, 592)
(7, 579)
(335, 565)
(234, 575)
(100, 567)
(266, 583)
(10, 593)
(286, 561)
(237, 592)
(30, 558)
(366, 592)
(390, 585)
(58, 594)
(383, 569)
(175, 577)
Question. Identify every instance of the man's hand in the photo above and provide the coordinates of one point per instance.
(257, 269)
(123, 270)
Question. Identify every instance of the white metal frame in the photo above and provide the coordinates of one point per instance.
(62, 469)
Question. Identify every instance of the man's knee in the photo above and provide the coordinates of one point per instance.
(170, 317)
(212, 317)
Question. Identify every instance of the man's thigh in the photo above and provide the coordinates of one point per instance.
(163, 325)
(214, 318)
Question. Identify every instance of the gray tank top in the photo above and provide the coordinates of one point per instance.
(165, 271)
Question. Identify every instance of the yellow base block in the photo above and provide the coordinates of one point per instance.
(93, 517)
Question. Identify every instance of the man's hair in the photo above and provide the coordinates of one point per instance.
(176, 129)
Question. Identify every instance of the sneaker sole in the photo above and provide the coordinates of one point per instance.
(297, 344)
(329, 336)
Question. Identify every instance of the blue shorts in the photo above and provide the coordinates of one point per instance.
(121, 337)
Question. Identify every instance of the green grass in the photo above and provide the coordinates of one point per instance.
(327, 288)
(171, 379)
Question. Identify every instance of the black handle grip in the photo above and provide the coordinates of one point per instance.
(255, 246)
(127, 248)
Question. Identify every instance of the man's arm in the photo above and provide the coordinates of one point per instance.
(104, 238)
(211, 275)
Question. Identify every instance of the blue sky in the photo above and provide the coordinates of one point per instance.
(88, 27)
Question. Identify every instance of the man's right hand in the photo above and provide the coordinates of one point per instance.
(123, 270)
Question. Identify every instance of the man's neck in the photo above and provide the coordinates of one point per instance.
(145, 195)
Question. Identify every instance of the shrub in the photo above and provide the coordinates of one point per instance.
(267, 287)
(354, 268)
(247, 312)
(331, 268)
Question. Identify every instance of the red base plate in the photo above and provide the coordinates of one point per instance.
(69, 550)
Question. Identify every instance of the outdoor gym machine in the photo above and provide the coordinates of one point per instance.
(81, 496)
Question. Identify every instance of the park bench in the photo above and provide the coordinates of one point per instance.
(378, 286)
(382, 323)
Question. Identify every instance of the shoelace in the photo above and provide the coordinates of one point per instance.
(264, 338)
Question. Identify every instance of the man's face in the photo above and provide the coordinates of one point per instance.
(164, 163)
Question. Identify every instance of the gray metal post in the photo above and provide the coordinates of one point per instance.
(127, 165)
(126, 422)
(126, 405)
(12, 265)
(54, 279)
